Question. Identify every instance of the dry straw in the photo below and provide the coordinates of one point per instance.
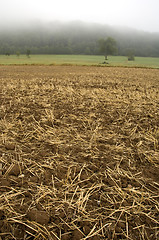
(79, 153)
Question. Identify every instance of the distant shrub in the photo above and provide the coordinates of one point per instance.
(28, 52)
(130, 54)
(17, 53)
(131, 58)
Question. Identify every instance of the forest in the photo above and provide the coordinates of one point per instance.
(75, 38)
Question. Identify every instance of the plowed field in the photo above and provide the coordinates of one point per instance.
(79, 153)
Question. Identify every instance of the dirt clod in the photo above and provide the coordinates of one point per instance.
(77, 235)
(40, 217)
(14, 170)
(10, 146)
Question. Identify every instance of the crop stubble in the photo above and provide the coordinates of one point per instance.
(79, 153)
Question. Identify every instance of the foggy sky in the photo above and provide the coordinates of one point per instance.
(138, 14)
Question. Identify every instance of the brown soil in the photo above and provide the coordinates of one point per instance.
(79, 153)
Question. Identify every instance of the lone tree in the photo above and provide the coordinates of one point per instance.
(18, 53)
(130, 54)
(28, 52)
(107, 47)
(7, 54)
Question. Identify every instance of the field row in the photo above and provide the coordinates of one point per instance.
(79, 60)
(79, 153)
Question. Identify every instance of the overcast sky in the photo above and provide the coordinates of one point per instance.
(139, 14)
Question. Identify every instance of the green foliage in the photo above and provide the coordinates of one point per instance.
(78, 60)
(28, 52)
(107, 47)
(78, 38)
(18, 53)
(131, 58)
(130, 54)
(7, 54)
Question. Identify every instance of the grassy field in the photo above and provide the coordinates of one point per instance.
(78, 60)
(79, 153)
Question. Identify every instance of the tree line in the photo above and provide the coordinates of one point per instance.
(76, 38)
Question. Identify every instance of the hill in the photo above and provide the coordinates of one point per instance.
(75, 38)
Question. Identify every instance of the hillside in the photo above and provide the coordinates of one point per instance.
(75, 38)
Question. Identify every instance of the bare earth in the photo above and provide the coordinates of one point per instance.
(79, 153)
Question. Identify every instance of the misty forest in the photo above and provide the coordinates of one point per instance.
(75, 38)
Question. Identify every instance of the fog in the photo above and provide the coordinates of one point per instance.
(138, 14)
